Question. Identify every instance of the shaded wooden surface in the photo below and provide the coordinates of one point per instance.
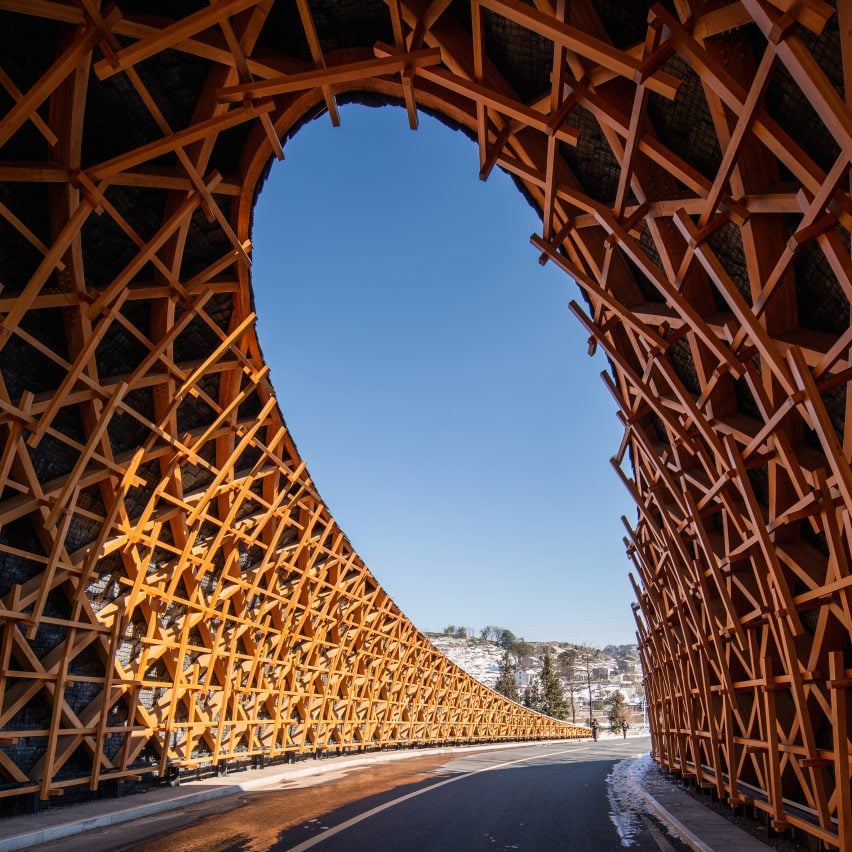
(174, 590)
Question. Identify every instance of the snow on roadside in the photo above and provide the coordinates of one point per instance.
(626, 801)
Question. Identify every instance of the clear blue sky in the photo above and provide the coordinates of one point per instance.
(437, 384)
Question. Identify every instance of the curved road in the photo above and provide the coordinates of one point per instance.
(537, 798)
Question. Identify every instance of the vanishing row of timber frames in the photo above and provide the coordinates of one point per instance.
(174, 591)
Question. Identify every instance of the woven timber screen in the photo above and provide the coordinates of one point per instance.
(173, 590)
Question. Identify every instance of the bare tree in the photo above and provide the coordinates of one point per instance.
(588, 660)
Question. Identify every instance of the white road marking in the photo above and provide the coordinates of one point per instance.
(314, 841)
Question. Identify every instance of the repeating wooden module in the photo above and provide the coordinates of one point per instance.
(174, 591)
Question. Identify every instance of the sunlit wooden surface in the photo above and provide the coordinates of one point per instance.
(175, 592)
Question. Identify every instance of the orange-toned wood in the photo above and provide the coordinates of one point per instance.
(194, 581)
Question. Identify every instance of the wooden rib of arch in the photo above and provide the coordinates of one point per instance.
(743, 622)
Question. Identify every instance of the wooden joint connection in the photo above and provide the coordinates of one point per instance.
(656, 60)
(703, 234)
(734, 210)
(810, 232)
(78, 179)
(781, 28)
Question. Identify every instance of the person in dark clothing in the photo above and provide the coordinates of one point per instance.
(595, 729)
(624, 727)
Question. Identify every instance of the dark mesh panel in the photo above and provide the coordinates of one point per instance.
(119, 352)
(192, 413)
(206, 242)
(727, 245)
(793, 110)
(684, 124)
(592, 160)
(195, 341)
(745, 399)
(175, 80)
(16, 569)
(525, 57)
(681, 357)
(126, 432)
(19, 258)
(130, 124)
(250, 407)
(820, 299)
(834, 401)
(28, 46)
(52, 458)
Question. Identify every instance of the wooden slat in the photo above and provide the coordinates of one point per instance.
(328, 76)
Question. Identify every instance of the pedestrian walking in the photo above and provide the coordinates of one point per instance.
(595, 729)
(624, 727)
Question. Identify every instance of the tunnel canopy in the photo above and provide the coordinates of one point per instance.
(176, 594)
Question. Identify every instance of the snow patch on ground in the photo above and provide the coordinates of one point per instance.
(627, 804)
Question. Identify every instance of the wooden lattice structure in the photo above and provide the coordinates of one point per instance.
(174, 590)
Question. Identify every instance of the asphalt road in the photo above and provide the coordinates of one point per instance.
(540, 798)
(550, 797)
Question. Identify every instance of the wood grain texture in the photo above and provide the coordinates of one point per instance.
(175, 592)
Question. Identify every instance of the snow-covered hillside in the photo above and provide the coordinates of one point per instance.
(616, 669)
(477, 657)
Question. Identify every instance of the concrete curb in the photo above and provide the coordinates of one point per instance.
(203, 791)
(698, 826)
(677, 827)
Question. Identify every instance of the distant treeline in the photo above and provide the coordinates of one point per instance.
(501, 636)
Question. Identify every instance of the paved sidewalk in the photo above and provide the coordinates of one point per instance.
(696, 825)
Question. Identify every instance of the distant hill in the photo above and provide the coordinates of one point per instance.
(620, 652)
(618, 668)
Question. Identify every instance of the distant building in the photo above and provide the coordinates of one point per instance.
(525, 678)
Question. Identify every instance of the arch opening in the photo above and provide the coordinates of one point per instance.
(434, 394)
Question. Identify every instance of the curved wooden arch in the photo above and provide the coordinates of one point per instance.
(173, 589)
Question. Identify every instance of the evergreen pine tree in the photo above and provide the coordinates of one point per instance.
(552, 697)
(532, 696)
(616, 709)
(506, 684)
